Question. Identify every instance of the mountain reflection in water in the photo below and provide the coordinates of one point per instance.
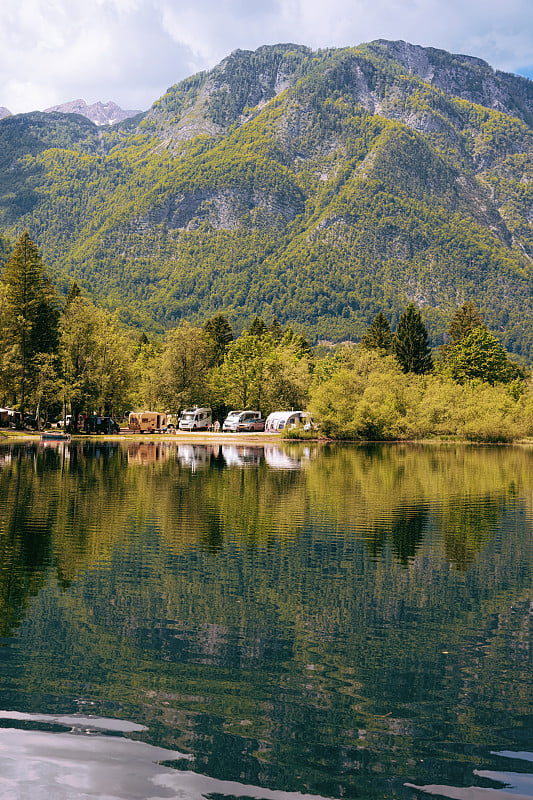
(336, 621)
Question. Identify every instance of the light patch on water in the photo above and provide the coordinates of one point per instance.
(77, 721)
(85, 763)
(516, 785)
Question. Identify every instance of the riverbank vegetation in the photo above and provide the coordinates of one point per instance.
(59, 357)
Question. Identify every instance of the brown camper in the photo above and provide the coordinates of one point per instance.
(147, 421)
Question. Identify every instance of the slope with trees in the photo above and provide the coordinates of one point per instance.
(319, 188)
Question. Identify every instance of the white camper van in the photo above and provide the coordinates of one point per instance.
(195, 419)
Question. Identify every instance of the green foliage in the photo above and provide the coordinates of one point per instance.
(367, 396)
(258, 327)
(262, 374)
(234, 198)
(220, 334)
(464, 320)
(410, 343)
(181, 378)
(379, 335)
(480, 356)
(94, 357)
(29, 316)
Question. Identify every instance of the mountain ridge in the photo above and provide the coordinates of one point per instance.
(315, 186)
(108, 113)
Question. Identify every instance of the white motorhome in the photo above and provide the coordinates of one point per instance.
(236, 419)
(195, 419)
(279, 420)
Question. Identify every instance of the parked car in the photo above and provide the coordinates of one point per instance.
(96, 424)
(241, 420)
(252, 425)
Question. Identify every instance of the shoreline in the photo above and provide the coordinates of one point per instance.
(251, 439)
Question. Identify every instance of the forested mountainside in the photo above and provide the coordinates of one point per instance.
(319, 187)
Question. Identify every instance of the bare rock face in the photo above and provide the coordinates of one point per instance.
(4, 112)
(464, 76)
(99, 113)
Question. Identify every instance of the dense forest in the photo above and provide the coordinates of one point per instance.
(60, 356)
(315, 188)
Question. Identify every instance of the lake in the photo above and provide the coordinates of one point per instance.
(227, 621)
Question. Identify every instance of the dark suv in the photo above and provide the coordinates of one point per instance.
(96, 424)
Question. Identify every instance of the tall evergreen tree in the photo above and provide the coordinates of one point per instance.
(31, 313)
(73, 293)
(258, 327)
(275, 330)
(219, 333)
(411, 344)
(379, 335)
(464, 320)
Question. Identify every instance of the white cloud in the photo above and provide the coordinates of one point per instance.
(130, 51)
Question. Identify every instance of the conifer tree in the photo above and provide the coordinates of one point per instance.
(73, 293)
(464, 320)
(219, 333)
(411, 344)
(275, 330)
(379, 335)
(258, 327)
(30, 313)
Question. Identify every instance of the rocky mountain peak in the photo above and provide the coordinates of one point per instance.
(100, 113)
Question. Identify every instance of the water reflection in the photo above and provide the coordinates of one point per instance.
(509, 785)
(341, 622)
(84, 763)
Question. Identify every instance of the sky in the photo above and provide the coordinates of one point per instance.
(131, 51)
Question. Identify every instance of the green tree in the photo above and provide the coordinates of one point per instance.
(464, 320)
(78, 355)
(275, 330)
(30, 315)
(240, 381)
(219, 333)
(258, 327)
(379, 335)
(182, 379)
(47, 386)
(73, 292)
(95, 357)
(145, 372)
(479, 355)
(411, 344)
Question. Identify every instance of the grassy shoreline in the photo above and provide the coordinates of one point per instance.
(252, 439)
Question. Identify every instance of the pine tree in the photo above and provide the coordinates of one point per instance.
(379, 335)
(73, 292)
(219, 333)
(464, 320)
(411, 344)
(258, 327)
(275, 330)
(31, 314)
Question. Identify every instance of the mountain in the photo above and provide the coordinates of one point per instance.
(4, 112)
(99, 113)
(319, 187)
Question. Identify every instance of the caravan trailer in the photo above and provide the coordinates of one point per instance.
(279, 420)
(147, 421)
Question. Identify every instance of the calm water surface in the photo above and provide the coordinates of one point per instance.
(225, 622)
